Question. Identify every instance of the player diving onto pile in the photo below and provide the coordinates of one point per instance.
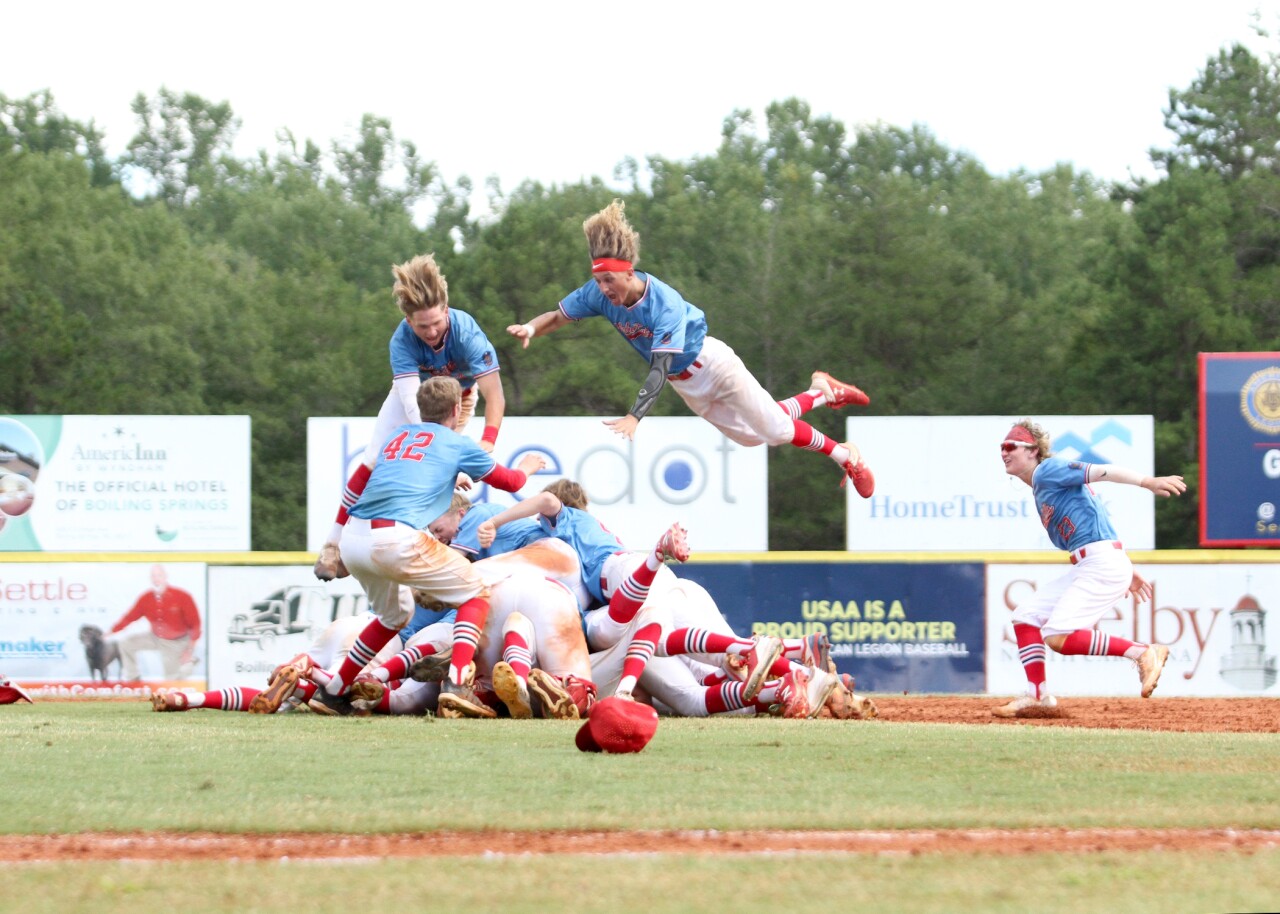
(671, 334)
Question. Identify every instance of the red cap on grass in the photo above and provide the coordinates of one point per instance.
(617, 725)
(11, 692)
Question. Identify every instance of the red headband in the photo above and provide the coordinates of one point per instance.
(1020, 435)
(610, 265)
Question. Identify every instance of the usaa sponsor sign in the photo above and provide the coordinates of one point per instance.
(893, 626)
(676, 469)
(941, 484)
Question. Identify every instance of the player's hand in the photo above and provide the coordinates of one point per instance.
(1166, 485)
(1141, 588)
(485, 534)
(463, 484)
(520, 332)
(531, 463)
(626, 426)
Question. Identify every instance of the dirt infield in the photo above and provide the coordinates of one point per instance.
(1232, 715)
(205, 847)
(1190, 715)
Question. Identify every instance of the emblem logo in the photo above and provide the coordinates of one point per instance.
(1260, 400)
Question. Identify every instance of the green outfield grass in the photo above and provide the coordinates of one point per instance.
(70, 767)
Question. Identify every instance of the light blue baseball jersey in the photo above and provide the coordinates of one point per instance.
(1070, 511)
(422, 617)
(510, 536)
(661, 321)
(416, 471)
(589, 538)
(465, 352)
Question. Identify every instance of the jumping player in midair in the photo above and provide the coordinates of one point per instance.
(671, 335)
(433, 340)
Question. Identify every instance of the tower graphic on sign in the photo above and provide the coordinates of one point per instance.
(1246, 665)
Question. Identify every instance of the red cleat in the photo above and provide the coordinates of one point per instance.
(673, 546)
(863, 479)
(838, 393)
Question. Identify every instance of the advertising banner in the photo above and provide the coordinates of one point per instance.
(264, 616)
(124, 483)
(56, 624)
(1212, 617)
(677, 469)
(895, 627)
(1239, 448)
(941, 485)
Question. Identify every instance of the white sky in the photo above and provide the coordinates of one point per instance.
(564, 89)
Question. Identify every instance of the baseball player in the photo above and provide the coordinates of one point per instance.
(1062, 614)
(386, 546)
(459, 526)
(671, 335)
(433, 340)
(297, 676)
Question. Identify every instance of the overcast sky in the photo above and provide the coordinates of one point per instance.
(560, 91)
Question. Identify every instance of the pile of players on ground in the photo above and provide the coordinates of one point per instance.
(666, 641)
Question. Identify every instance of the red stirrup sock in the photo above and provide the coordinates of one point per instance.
(467, 627)
(702, 641)
(797, 406)
(1095, 643)
(373, 639)
(1031, 652)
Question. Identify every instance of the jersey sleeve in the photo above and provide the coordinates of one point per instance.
(1057, 473)
(578, 303)
(404, 356)
(474, 349)
(668, 322)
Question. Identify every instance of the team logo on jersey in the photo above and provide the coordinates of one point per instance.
(487, 358)
(1260, 400)
(634, 331)
(666, 339)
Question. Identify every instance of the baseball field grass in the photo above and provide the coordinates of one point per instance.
(77, 768)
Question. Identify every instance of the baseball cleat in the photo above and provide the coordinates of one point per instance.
(837, 393)
(329, 564)
(805, 691)
(557, 703)
(864, 482)
(432, 667)
(282, 686)
(844, 704)
(512, 691)
(815, 650)
(1150, 665)
(673, 546)
(462, 700)
(1026, 706)
(332, 705)
(760, 658)
(169, 700)
(735, 667)
(367, 691)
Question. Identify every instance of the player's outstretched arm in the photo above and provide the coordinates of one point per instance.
(659, 368)
(1160, 485)
(544, 323)
(542, 503)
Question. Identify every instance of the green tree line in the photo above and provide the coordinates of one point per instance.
(180, 279)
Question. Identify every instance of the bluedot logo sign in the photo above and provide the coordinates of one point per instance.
(677, 469)
(678, 475)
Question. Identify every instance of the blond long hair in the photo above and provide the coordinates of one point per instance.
(419, 285)
(609, 234)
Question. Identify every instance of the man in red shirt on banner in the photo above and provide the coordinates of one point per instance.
(175, 628)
